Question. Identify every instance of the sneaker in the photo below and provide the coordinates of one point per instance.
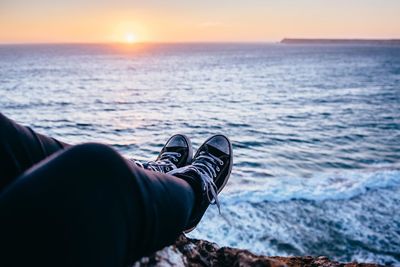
(208, 173)
(176, 153)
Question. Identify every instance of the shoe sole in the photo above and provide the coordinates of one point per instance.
(226, 179)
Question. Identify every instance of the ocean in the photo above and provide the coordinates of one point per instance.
(315, 130)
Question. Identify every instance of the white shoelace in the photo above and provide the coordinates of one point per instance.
(166, 162)
(206, 166)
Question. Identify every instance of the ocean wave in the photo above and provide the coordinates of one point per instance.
(333, 215)
(338, 186)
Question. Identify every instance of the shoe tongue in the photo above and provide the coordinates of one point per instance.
(176, 149)
(180, 150)
(215, 151)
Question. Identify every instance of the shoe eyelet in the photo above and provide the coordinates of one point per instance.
(176, 160)
(221, 163)
(167, 169)
(218, 169)
(179, 155)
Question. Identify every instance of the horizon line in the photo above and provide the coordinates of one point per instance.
(139, 43)
(196, 42)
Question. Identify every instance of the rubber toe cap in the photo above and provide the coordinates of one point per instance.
(221, 143)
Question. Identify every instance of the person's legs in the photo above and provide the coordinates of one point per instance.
(86, 206)
(21, 148)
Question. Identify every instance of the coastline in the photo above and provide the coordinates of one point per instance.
(341, 41)
(195, 253)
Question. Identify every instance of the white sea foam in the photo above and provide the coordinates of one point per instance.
(340, 215)
(336, 186)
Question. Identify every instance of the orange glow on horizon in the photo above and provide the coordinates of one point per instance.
(134, 22)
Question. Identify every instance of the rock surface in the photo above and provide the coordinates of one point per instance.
(193, 252)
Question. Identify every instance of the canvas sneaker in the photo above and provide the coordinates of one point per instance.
(208, 174)
(176, 153)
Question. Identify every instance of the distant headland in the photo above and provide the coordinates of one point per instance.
(341, 41)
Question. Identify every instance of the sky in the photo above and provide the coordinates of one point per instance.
(88, 21)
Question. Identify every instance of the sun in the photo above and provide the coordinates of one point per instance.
(130, 38)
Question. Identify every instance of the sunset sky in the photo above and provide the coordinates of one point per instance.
(52, 21)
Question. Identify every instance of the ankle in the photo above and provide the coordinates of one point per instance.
(193, 180)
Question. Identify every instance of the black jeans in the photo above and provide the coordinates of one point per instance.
(82, 205)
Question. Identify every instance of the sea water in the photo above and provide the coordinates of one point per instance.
(315, 130)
